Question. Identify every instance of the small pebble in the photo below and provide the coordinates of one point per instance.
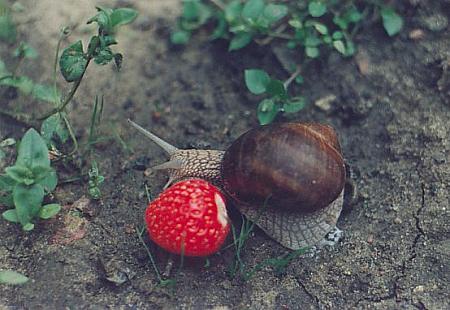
(397, 220)
(370, 239)
(419, 289)
(416, 34)
(148, 172)
(324, 103)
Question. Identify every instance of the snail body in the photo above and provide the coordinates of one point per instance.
(288, 178)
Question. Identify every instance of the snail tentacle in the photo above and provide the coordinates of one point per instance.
(166, 146)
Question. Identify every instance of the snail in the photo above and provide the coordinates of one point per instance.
(288, 178)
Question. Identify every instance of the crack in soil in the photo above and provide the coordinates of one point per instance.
(310, 294)
(394, 292)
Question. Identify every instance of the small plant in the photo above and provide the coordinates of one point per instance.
(27, 182)
(311, 28)
(279, 264)
(95, 180)
(259, 82)
(239, 241)
(73, 64)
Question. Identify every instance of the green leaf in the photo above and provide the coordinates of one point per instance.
(49, 211)
(104, 56)
(317, 8)
(275, 12)
(339, 46)
(221, 28)
(295, 23)
(350, 50)
(20, 174)
(54, 126)
(73, 62)
(337, 35)
(45, 93)
(10, 215)
(312, 41)
(321, 28)
(180, 37)
(267, 110)
(392, 22)
(32, 150)
(240, 40)
(40, 172)
(28, 227)
(256, 80)
(195, 14)
(26, 51)
(103, 19)
(276, 88)
(8, 31)
(191, 9)
(49, 182)
(294, 106)
(123, 16)
(233, 11)
(12, 277)
(252, 9)
(28, 200)
(353, 15)
(6, 183)
(312, 52)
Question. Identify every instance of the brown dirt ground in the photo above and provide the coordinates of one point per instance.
(391, 111)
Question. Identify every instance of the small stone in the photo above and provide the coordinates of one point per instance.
(416, 34)
(370, 239)
(324, 103)
(419, 289)
(117, 271)
(397, 220)
(148, 172)
(347, 272)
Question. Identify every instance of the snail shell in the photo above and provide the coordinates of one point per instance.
(291, 165)
(295, 171)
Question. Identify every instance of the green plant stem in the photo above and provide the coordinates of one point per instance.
(292, 77)
(69, 96)
(139, 233)
(63, 34)
(71, 134)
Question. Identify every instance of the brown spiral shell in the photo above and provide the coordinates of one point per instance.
(289, 165)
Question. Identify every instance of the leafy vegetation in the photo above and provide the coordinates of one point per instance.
(73, 64)
(24, 185)
(311, 28)
(259, 82)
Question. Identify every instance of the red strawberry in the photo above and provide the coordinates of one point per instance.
(189, 218)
